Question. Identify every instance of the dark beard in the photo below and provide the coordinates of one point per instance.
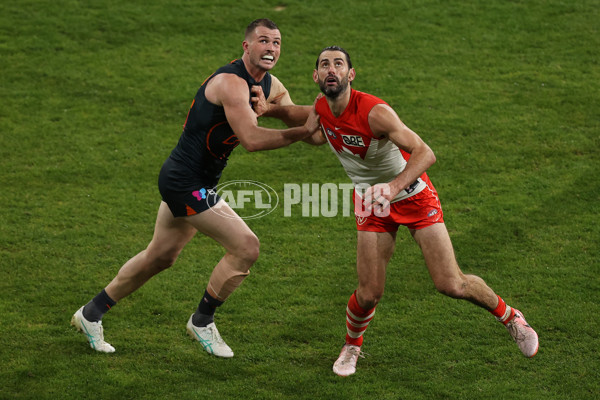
(334, 92)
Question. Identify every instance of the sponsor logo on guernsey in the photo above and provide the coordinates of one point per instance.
(353, 140)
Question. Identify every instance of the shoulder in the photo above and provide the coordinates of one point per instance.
(234, 65)
(383, 120)
(276, 83)
(365, 100)
(366, 104)
(233, 69)
(225, 72)
(225, 87)
(278, 93)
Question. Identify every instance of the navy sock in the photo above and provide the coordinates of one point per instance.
(205, 312)
(98, 306)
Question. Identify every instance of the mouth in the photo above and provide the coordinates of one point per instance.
(330, 81)
(268, 57)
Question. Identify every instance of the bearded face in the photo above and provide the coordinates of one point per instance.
(333, 74)
(332, 86)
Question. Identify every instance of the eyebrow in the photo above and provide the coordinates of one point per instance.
(269, 37)
(335, 59)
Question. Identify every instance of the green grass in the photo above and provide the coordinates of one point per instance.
(92, 99)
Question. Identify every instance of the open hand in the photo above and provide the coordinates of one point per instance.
(258, 100)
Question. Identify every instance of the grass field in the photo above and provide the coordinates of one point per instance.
(92, 99)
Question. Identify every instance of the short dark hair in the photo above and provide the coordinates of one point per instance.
(267, 23)
(334, 48)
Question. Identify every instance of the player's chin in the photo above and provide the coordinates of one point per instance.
(267, 64)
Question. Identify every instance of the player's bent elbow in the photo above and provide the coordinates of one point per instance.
(431, 156)
(250, 146)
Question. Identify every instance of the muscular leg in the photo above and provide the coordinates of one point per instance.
(242, 248)
(170, 236)
(241, 245)
(448, 279)
(444, 270)
(374, 250)
(373, 253)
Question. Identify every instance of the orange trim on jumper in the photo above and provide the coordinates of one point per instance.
(190, 211)
(213, 74)
(188, 114)
(206, 80)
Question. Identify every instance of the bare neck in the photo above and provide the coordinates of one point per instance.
(339, 104)
(256, 73)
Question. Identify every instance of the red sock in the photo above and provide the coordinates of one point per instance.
(357, 321)
(503, 312)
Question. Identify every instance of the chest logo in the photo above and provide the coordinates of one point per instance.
(331, 133)
(353, 140)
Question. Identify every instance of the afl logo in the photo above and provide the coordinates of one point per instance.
(249, 199)
(432, 213)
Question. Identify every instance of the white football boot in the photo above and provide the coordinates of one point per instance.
(210, 339)
(523, 334)
(93, 331)
(345, 365)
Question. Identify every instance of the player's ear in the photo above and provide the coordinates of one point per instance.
(351, 74)
(315, 76)
(245, 46)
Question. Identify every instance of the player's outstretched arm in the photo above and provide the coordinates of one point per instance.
(316, 139)
(279, 104)
(231, 92)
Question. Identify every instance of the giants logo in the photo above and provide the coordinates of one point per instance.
(353, 140)
(220, 140)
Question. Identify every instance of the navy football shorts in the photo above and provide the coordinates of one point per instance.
(184, 200)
